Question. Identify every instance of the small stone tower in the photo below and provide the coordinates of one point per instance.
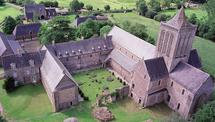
(175, 40)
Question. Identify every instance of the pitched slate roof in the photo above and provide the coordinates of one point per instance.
(135, 45)
(80, 20)
(179, 20)
(194, 59)
(54, 71)
(156, 68)
(30, 9)
(82, 47)
(26, 29)
(123, 60)
(189, 77)
(21, 60)
(8, 43)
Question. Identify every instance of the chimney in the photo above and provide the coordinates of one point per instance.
(53, 43)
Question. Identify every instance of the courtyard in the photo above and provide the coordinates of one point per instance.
(31, 103)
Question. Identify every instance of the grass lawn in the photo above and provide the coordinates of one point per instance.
(205, 47)
(200, 13)
(31, 104)
(8, 11)
(100, 3)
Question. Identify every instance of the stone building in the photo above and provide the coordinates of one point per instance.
(39, 11)
(8, 46)
(81, 55)
(169, 72)
(26, 32)
(23, 67)
(80, 20)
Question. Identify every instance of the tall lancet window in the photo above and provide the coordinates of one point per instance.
(166, 39)
(160, 43)
(170, 44)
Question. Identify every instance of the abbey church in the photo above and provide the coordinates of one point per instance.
(169, 72)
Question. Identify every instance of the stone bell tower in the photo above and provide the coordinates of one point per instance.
(175, 40)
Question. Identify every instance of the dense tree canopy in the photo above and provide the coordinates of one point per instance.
(105, 30)
(23, 2)
(206, 114)
(83, 32)
(75, 5)
(155, 5)
(9, 25)
(138, 30)
(89, 7)
(107, 7)
(142, 8)
(49, 3)
(57, 30)
(2, 2)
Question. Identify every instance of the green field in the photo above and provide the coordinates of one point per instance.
(100, 3)
(205, 47)
(30, 103)
(8, 11)
(200, 13)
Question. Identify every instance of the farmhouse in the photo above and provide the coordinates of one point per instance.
(39, 11)
(169, 72)
(25, 32)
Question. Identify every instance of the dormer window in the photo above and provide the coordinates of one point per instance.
(13, 66)
(80, 51)
(31, 62)
(67, 53)
(105, 46)
(93, 48)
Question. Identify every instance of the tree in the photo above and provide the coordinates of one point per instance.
(210, 8)
(18, 19)
(165, 3)
(155, 5)
(49, 3)
(107, 7)
(83, 32)
(105, 30)
(193, 19)
(136, 29)
(9, 25)
(2, 2)
(89, 7)
(206, 113)
(142, 8)
(23, 2)
(9, 85)
(75, 5)
(150, 14)
(57, 30)
(2, 119)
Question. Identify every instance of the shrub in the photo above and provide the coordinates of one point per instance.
(107, 7)
(161, 17)
(150, 14)
(9, 85)
(89, 7)
(49, 3)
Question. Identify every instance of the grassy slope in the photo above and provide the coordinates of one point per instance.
(8, 11)
(100, 3)
(30, 103)
(205, 47)
(200, 13)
